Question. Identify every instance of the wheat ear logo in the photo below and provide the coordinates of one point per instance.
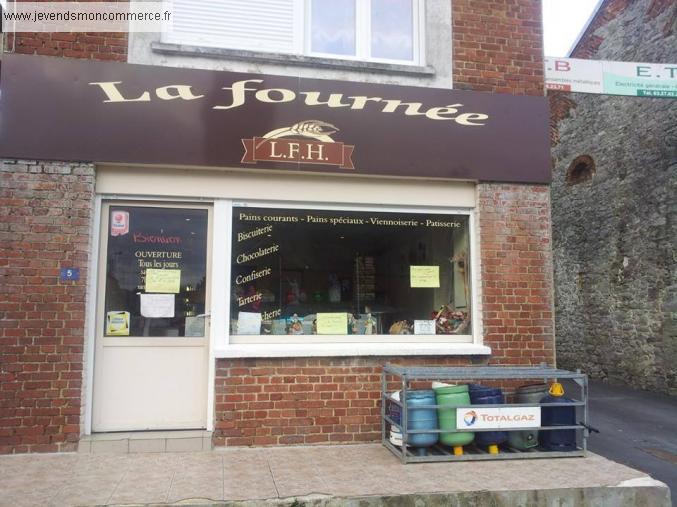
(305, 142)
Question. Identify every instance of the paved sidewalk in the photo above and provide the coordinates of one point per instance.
(316, 475)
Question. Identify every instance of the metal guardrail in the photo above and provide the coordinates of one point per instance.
(439, 452)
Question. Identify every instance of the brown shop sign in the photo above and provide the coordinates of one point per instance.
(74, 110)
(312, 143)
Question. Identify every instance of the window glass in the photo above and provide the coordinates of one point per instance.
(156, 265)
(333, 27)
(305, 271)
(392, 29)
(364, 29)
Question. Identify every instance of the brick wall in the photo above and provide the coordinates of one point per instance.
(45, 224)
(95, 46)
(498, 46)
(561, 106)
(301, 400)
(517, 287)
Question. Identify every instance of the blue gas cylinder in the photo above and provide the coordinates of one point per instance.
(421, 418)
(557, 440)
(483, 395)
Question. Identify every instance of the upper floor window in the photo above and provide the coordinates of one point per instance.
(388, 31)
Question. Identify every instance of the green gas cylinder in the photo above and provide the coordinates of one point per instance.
(455, 396)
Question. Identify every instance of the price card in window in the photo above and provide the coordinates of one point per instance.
(424, 276)
(424, 327)
(248, 323)
(332, 323)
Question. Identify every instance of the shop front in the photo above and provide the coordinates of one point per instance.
(260, 244)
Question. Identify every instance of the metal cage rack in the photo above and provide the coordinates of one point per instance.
(404, 376)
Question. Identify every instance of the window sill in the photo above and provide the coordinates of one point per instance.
(288, 59)
(351, 349)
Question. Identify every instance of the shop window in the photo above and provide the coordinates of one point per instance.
(156, 261)
(367, 30)
(304, 275)
(581, 169)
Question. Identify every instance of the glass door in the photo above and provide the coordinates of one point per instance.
(151, 356)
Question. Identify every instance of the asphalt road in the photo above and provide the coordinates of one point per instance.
(637, 428)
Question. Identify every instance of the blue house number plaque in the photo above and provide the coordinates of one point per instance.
(69, 274)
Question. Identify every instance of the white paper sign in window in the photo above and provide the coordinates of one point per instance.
(157, 306)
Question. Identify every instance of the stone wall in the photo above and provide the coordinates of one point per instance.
(615, 229)
(45, 225)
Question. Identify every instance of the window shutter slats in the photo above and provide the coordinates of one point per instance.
(262, 25)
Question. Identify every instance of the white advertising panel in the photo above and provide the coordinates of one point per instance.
(657, 80)
(498, 418)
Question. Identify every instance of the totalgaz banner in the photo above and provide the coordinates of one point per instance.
(498, 417)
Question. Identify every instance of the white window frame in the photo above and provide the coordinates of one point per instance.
(228, 345)
(302, 35)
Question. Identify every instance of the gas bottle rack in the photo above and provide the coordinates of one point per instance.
(403, 376)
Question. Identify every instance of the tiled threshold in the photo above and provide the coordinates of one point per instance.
(146, 441)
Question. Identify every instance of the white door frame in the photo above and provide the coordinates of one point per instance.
(94, 293)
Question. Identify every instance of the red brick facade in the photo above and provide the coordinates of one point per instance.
(498, 46)
(561, 105)
(301, 400)
(517, 280)
(95, 46)
(46, 224)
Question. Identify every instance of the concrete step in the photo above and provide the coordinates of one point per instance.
(146, 441)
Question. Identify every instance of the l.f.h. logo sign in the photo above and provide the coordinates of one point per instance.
(309, 142)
